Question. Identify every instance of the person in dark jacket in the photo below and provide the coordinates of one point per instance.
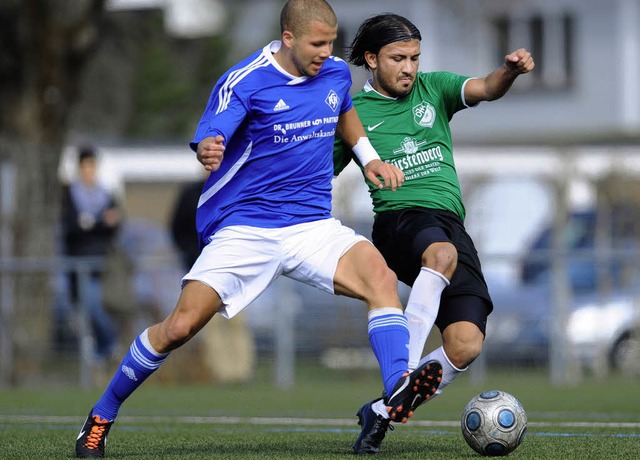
(91, 218)
(183, 222)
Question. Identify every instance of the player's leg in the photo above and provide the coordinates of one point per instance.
(461, 342)
(363, 273)
(438, 261)
(334, 258)
(195, 307)
(417, 247)
(421, 312)
(464, 307)
(394, 234)
(223, 264)
(462, 320)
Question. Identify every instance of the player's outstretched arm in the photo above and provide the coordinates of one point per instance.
(497, 83)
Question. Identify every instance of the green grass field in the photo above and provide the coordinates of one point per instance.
(597, 419)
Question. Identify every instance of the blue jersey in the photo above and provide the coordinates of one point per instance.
(279, 131)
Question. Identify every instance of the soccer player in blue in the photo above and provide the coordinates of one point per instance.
(266, 137)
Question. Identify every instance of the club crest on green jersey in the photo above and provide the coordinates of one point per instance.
(409, 146)
(424, 114)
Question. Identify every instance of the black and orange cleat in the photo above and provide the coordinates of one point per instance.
(93, 437)
(413, 389)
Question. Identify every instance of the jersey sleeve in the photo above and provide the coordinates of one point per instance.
(225, 111)
(345, 76)
(450, 86)
(347, 103)
(342, 156)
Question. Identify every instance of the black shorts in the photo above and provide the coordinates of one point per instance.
(402, 236)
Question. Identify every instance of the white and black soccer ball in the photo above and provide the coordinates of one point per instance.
(494, 423)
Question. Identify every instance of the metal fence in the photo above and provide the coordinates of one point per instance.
(292, 320)
(158, 276)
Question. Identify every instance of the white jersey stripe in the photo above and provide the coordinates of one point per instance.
(226, 178)
(224, 95)
(227, 96)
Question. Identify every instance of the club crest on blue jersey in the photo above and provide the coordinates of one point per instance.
(333, 100)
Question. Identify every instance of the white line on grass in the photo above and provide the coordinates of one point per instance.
(288, 421)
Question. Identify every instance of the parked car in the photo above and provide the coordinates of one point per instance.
(603, 318)
(607, 331)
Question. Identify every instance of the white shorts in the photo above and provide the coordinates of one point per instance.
(240, 262)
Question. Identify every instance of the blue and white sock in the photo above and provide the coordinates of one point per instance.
(449, 374)
(139, 363)
(389, 338)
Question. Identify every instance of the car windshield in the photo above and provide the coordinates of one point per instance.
(594, 255)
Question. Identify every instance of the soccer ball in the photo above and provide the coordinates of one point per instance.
(494, 423)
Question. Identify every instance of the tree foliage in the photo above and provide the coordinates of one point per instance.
(45, 46)
(72, 72)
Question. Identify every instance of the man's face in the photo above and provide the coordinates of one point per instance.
(87, 169)
(311, 49)
(395, 67)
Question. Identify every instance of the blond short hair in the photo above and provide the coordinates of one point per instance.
(297, 14)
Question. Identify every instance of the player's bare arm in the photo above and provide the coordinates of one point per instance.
(350, 130)
(497, 83)
(211, 152)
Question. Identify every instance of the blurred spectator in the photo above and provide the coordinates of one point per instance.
(90, 219)
(183, 222)
(228, 349)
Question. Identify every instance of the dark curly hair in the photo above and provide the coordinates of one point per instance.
(378, 31)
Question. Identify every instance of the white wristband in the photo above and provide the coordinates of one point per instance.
(364, 151)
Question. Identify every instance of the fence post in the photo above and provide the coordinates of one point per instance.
(8, 183)
(287, 304)
(561, 370)
(85, 336)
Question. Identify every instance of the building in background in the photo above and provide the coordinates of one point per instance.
(565, 138)
(587, 55)
(587, 59)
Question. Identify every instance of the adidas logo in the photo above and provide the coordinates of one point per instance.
(129, 373)
(281, 105)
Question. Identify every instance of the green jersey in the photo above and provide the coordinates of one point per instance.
(413, 134)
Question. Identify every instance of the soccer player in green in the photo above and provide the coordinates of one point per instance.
(419, 228)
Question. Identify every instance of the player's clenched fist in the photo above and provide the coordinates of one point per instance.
(520, 61)
(211, 152)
